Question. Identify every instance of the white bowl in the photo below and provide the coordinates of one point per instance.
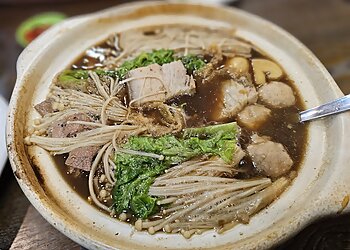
(322, 184)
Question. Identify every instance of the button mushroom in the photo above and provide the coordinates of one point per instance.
(265, 70)
(238, 65)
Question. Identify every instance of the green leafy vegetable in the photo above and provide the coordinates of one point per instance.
(76, 78)
(192, 62)
(135, 173)
(73, 79)
(70, 74)
(160, 57)
(79, 74)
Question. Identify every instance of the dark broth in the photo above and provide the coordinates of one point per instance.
(78, 183)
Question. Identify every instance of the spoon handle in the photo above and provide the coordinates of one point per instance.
(334, 107)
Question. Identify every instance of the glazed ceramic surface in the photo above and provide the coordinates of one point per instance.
(320, 188)
(3, 153)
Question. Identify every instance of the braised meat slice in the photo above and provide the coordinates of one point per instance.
(45, 107)
(61, 129)
(82, 158)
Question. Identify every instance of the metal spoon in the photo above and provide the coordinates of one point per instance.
(334, 107)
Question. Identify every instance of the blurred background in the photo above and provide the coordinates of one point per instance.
(322, 25)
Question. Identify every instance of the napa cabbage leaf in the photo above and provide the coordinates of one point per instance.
(135, 173)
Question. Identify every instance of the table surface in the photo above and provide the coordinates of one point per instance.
(323, 26)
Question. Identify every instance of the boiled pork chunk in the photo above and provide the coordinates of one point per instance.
(159, 83)
(269, 157)
(235, 97)
(147, 84)
(176, 79)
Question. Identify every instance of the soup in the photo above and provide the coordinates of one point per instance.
(180, 129)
